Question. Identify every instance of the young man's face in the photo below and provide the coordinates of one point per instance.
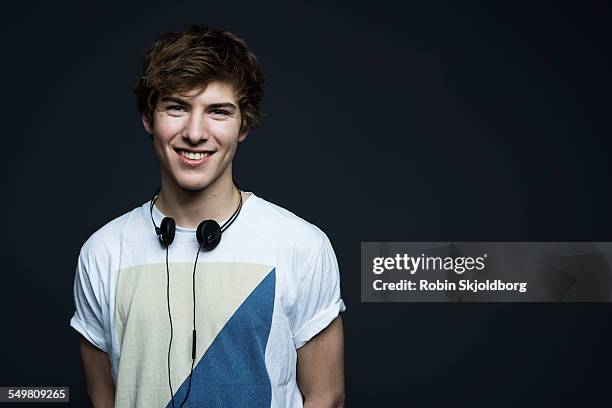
(195, 135)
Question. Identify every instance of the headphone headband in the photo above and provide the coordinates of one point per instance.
(208, 232)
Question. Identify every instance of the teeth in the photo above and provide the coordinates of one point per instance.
(194, 156)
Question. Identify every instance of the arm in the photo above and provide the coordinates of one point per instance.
(320, 368)
(100, 386)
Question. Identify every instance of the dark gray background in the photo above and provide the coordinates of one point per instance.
(383, 122)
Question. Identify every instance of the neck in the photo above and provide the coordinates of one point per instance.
(189, 208)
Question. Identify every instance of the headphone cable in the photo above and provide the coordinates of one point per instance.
(193, 344)
(170, 316)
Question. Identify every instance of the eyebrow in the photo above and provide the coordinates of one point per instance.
(186, 103)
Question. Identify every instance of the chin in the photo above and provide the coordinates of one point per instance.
(193, 185)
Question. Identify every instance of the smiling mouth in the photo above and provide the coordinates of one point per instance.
(193, 158)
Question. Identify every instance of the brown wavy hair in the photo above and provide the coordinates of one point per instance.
(178, 62)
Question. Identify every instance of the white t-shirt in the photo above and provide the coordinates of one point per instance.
(270, 285)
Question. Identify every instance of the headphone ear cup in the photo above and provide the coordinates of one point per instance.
(208, 234)
(166, 229)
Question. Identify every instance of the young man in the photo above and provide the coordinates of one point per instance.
(173, 308)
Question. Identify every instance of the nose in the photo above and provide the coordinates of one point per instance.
(195, 129)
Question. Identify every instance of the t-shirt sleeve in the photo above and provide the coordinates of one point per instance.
(319, 301)
(88, 300)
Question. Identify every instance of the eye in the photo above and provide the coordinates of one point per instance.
(219, 112)
(176, 108)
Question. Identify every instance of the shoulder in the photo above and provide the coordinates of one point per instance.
(302, 241)
(105, 242)
(287, 225)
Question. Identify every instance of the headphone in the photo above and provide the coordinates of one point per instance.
(208, 235)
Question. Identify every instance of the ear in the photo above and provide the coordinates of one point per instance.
(242, 135)
(146, 125)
